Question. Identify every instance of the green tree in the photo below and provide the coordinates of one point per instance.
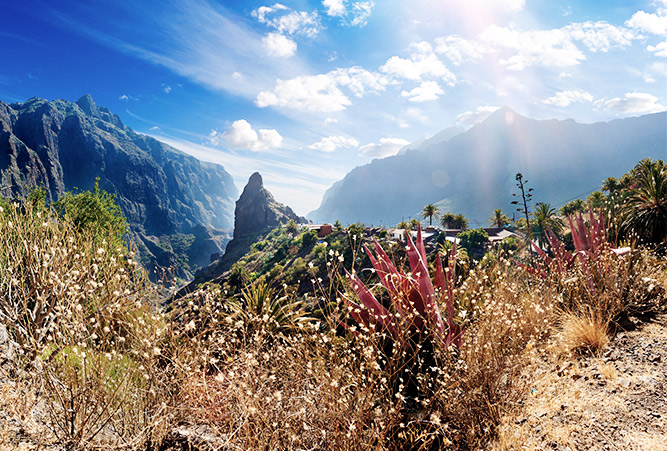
(447, 220)
(498, 218)
(95, 210)
(645, 207)
(574, 206)
(545, 219)
(414, 223)
(430, 211)
(291, 227)
(403, 225)
(611, 185)
(596, 200)
(474, 241)
(460, 222)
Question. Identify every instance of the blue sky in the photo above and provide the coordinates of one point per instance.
(305, 90)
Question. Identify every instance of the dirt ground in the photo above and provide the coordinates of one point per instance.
(616, 400)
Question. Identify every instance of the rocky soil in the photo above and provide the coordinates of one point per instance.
(616, 400)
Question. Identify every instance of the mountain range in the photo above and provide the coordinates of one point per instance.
(179, 209)
(473, 172)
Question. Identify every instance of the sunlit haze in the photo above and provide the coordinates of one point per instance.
(304, 91)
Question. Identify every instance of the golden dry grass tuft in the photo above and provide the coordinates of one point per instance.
(584, 332)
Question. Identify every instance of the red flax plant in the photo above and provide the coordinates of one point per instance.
(414, 312)
(598, 283)
(410, 334)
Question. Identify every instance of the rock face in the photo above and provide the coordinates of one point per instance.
(163, 192)
(257, 212)
(473, 173)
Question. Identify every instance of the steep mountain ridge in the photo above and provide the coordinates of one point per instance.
(256, 214)
(63, 146)
(473, 172)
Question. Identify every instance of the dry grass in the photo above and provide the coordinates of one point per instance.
(584, 332)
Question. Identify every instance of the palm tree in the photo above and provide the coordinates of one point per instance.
(430, 211)
(571, 207)
(596, 200)
(645, 208)
(414, 223)
(460, 222)
(447, 220)
(498, 218)
(611, 185)
(546, 219)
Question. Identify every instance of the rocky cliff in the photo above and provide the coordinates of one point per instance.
(256, 213)
(163, 192)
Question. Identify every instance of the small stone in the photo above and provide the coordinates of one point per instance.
(655, 358)
(521, 421)
(624, 382)
(647, 380)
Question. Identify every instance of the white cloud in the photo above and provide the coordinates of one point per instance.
(386, 147)
(426, 91)
(519, 49)
(286, 21)
(321, 92)
(124, 97)
(659, 50)
(309, 93)
(549, 48)
(278, 45)
(632, 102)
(166, 89)
(331, 143)
(457, 49)
(154, 128)
(360, 12)
(564, 75)
(648, 22)
(565, 98)
(600, 36)
(334, 8)
(470, 118)
(237, 76)
(330, 120)
(423, 62)
(241, 135)
(356, 14)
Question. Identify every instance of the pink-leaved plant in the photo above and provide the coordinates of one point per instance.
(590, 244)
(414, 307)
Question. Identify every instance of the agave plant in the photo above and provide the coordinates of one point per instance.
(414, 312)
(589, 243)
(596, 277)
(261, 305)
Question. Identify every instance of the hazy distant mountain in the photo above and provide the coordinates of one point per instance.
(439, 137)
(63, 146)
(473, 172)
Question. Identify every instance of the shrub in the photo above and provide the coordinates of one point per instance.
(97, 210)
(475, 242)
(79, 307)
